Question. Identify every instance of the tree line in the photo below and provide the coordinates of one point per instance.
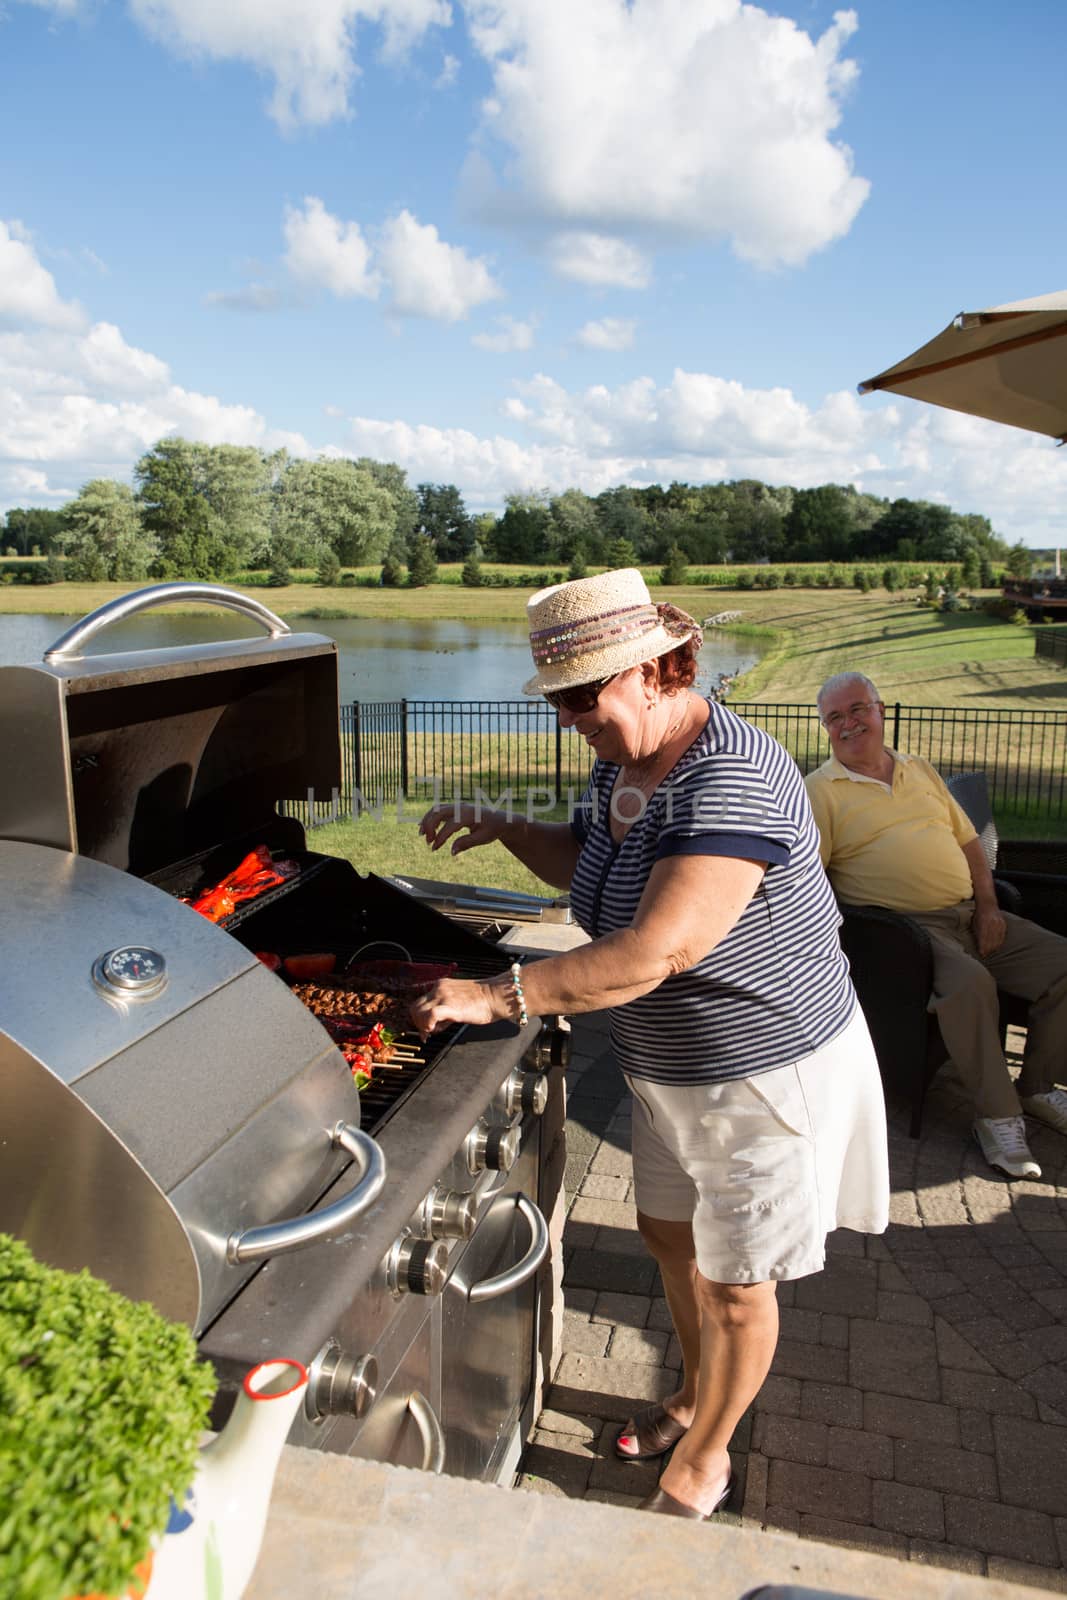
(210, 511)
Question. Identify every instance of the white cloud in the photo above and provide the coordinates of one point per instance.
(27, 289)
(610, 333)
(78, 402)
(110, 363)
(253, 297)
(308, 49)
(424, 275)
(701, 117)
(699, 428)
(513, 335)
(31, 483)
(328, 253)
(598, 259)
(429, 278)
(448, 74)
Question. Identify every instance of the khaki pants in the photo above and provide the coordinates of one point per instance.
(1031, 963)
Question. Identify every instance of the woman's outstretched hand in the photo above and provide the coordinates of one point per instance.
(443, 821)
(453, 1000)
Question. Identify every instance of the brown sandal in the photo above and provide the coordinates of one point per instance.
(655, 1432)
(659, 1500)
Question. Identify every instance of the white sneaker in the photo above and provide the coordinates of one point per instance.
(1003, 1142)
(1050, 1108)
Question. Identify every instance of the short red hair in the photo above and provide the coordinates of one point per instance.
(678, 668)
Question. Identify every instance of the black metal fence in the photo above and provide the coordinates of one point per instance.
(1051, 644)
(419, 750)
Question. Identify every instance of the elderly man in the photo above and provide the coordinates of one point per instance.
(892, 835)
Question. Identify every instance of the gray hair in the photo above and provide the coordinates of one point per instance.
(840, 679)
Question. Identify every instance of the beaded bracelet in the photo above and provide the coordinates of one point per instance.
(516, 984)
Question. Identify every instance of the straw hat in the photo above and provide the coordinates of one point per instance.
(595, 627)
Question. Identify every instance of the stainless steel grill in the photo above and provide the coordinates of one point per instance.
(177, 1121)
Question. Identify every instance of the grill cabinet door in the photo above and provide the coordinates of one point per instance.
(487, 1363)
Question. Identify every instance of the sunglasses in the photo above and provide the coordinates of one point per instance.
(583, 697)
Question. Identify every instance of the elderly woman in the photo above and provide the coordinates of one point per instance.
(693, 864)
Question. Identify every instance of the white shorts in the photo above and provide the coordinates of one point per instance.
(766, 1167)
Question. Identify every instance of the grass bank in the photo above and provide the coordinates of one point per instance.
(915, 655)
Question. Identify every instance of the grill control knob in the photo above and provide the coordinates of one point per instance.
(449, 1214)
(340, 1384)
(552, 1047)
(495, 1148)
(417, 1266)
(522, 1092)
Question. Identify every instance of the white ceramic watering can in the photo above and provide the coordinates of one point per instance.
(211, 1543)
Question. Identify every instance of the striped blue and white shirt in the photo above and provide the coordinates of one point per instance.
(777, 987)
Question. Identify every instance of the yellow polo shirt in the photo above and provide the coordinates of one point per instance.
(893, 845)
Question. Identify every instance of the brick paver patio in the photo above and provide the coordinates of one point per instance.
(918, 1402)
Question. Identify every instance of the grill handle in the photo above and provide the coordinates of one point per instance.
(430, 1431)
(276, 1238)
(68, 646)
(491, 1288)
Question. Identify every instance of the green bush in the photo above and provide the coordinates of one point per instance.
(101, 1406)
(676, 567)
(348, 580)
(42, 572)
(422, 567)
(1006, 610)
(329, 569)
(279, 576)
(472, 573)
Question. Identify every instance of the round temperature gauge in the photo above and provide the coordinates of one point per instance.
(134, 972)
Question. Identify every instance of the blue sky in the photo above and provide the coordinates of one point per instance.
(523, 244)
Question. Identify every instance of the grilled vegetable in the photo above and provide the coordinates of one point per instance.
(269, 959)
(407, 978)
(360, 1063)
(306, 968)
(248, 879)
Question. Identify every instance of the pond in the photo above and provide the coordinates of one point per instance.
(380, 659)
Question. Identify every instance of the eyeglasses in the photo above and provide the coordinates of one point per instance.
(857, 709)
(583, 697)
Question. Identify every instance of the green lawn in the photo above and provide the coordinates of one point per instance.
(395, 846)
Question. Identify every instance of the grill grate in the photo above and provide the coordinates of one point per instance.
(332, 907)
(394, 1081)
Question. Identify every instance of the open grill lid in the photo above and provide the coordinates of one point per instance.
(157, 1138)
(144, 758)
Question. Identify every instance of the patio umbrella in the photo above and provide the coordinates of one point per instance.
(1008, 363)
